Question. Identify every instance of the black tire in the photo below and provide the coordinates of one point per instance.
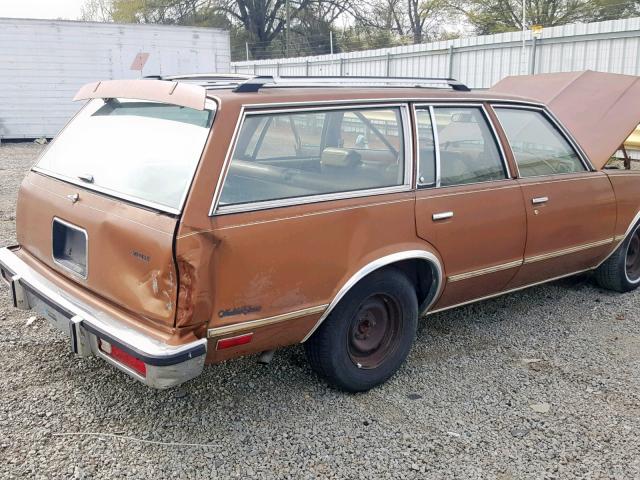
(382, 310)
(621, 271)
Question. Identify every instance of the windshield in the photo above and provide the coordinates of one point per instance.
(139, 150)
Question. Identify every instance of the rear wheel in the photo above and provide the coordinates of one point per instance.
(368, 335)
(621, 271)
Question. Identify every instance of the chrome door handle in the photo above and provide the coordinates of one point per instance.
(442, 216)
(539, 200)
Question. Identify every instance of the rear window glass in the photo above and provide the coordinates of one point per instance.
(142, 151)
(468, 149)
(289, 155)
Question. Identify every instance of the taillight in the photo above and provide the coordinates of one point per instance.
(185, 291)
(123, 357)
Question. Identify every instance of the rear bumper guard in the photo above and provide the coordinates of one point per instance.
(166, 365)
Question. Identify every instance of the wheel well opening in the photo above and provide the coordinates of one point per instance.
(423, 275)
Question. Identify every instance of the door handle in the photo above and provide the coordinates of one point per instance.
(442, 216)
(539, 200)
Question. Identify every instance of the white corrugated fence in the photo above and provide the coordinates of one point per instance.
(479, 62)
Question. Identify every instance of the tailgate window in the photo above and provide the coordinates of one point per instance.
(141, 151)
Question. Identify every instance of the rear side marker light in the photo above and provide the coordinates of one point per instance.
(234, 341)
(123, 357)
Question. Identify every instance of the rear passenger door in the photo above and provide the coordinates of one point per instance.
(571, 210)
(468, 205)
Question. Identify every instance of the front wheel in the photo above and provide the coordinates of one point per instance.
(621, 271)
(368, 335)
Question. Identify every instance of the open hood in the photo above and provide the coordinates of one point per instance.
(600, 110)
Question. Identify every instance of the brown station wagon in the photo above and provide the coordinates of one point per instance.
(182, 221)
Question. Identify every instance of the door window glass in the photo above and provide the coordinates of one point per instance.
(426, 149)
(538, 147)
(468, 150)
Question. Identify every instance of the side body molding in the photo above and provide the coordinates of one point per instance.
(428, 257)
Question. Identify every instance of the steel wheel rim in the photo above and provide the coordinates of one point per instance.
(632, 261)
(374, 332)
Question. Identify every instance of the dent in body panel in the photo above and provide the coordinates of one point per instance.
(130, 259)
(194, 255)
(286, 260)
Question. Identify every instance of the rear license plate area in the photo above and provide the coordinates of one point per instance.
(53, 316)
(69, 247)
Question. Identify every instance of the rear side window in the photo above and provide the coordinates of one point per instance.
(539, 148)
(299, 154)
(467, 149)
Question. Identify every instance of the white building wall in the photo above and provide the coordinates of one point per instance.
(44, 62)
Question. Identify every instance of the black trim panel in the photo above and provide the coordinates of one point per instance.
(148, 359)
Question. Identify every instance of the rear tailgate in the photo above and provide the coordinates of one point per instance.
(129, 249)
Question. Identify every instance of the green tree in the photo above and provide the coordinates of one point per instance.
(496, 16)
(419, 20)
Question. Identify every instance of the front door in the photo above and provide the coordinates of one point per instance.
(571, 211)
(467, 204)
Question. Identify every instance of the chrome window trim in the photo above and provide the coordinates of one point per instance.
(436, 146)
(406, 186)
(210, 104)
(434, 293)
(406, 99)
(86, 246)
(480, 105)
(564, 133)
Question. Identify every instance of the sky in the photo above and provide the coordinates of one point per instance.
(65, 9)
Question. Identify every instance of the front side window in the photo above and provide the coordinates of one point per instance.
(538, 147)
(142, 150)
(299, 154)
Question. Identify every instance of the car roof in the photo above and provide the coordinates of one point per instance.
(306, 95)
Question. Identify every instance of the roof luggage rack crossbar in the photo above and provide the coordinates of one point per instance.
(254, 84)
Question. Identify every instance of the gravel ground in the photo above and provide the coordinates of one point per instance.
(544, 383)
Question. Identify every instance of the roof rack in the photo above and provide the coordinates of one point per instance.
(254, 84)
(212, 77)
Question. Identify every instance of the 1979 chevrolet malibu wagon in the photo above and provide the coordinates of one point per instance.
(182, 221)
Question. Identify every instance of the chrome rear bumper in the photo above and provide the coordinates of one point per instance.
(166, 365)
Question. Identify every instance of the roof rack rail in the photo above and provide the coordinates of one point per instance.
(254, 84)
(213, 77)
